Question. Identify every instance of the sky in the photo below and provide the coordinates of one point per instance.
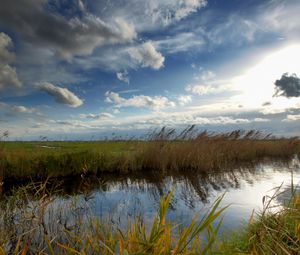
(89, 69)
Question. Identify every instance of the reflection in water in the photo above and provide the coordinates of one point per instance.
(119, 198)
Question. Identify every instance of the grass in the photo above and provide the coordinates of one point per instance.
(164, 151)
(24, 229)
(272, 232)
(27, 226)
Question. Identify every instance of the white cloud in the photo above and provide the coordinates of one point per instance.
(291, 117)
(187, 7)
(22, 109)
(147, 56)
(261, 120)
(205, 89)
(2, 105)
(116, 111)
(73, 124)
(6, 56)
(61, 95)
(220, 120)
(157, 102)
(277, 18)
(236, 29)
(8, 74)
(282, 17)
(270, 110)
(206, 84)
(40, 125)
(184, 99)
(17, 108)
(103, 115)
(149, 14)
(180, 42)
(8, 77)
(106, 115)
(206, 75)
(133, 56)
(179, 119)
(123, 76)
(149, 121)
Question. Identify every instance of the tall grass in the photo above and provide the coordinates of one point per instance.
(31, 223)
(27, 226)
(2, 160)
(273, 231)
(25, 229)
(192, 151)
(163, 151)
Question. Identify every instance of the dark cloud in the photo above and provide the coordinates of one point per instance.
(266, 104)
(288, 86)
(79, 35)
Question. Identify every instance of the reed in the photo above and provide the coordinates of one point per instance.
(28, 225)
(2, 159)
(273, 231)
(26, 231)
(164, 151)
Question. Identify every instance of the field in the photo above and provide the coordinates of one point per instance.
(28, 225)
(163, 152)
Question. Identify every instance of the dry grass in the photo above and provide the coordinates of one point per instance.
(28, 226)
(206, 152)
(272, 232)
(163, 151)
(279, 232)
(25, 228)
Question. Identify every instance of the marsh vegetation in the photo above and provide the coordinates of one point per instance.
(165, 152)
(30, 225)
(163, 194)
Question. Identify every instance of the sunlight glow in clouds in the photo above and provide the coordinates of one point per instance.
(257, 84)
(139, 64)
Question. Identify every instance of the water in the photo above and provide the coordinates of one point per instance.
(119, 199)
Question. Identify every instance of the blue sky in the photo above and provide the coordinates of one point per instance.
(88, 68)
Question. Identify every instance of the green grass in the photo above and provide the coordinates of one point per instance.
(25, 230)
(271, 232)
(27, 227)
(164, 152)
(35, 160)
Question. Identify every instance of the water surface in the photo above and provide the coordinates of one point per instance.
(119, 199)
